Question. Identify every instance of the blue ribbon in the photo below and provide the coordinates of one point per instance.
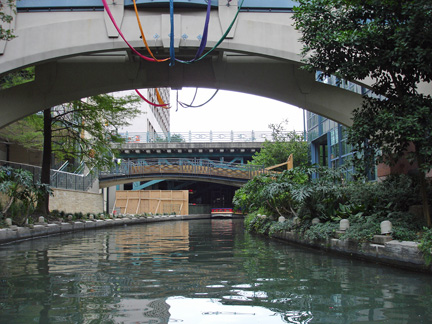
(172, 52)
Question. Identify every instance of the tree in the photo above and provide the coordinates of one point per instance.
(389, 42)
(6, 18)
(81, 130)
(281, 147)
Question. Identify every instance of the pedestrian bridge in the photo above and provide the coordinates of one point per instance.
(250, 47)
(180, 169)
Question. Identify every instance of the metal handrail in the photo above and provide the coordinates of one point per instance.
(185, 166)
(58, 179)
(200, 137)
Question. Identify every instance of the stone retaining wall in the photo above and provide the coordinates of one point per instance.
(401, 254)
(72, 201)
(15, 233)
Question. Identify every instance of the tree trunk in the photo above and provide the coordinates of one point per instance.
(46, 160)
(423, 190)
(424, 197)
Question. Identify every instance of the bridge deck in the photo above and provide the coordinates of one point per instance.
(29, 5)
(181, 169)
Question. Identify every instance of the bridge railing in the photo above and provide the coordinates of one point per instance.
(86, 5)
(185, 166)
(58, 179)
(198, 137)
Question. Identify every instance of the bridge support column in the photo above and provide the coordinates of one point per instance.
(117, 10)
(166, 30)
(227, 11)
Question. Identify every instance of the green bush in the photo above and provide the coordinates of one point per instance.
(277, 227)
(258, 224)
(426, 245)
(78, 215)
(362, 229)
(323, 193)
(321, 231)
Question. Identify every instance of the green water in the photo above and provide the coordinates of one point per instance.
(195, 272)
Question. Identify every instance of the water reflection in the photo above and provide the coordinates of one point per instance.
(198, 272)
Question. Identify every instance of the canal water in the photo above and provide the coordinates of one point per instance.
(207, 271)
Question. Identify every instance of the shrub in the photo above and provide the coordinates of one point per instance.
(321, 231)
(258, 224)
(362, 229)
(277, 227)
(426, 245)
(78, 215)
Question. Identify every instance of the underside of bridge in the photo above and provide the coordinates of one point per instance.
(204, 194)
(79, 54)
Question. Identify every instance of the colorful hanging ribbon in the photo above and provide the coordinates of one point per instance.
(160, 100)
(122, 36)
(149, 102)
(204, 37)
(143, 36)
(172, 52)
(196, 106)
(172, 58)
(224, 35)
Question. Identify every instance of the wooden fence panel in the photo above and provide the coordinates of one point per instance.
(152, 201)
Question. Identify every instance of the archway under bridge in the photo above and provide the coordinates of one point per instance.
(77, 54)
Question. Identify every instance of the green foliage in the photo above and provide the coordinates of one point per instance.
(330, 198)
(324, 195)
(6, 9)
(277, 227)
(405, 226)
(362, 229)
(389, 42)
(275, 194)
(396, 193)
(258, 224)
(27, 132)
(82, 128)
(321, 231)
(21, 192)
(78, 215)
(426, 245)
(278, 150)
(55, 213)
(17, 77)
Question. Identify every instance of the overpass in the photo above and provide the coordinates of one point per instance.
(220, 151)
(77, 52)
(234, 147)
(180, 169)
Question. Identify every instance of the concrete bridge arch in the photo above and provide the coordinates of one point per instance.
(78, 54)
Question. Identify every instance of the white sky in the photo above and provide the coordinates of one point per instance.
(231, 111)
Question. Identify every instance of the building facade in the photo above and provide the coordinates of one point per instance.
(154, 120)
(327, 139)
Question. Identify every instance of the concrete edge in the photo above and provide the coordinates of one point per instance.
(16, 234)
(400, 254)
